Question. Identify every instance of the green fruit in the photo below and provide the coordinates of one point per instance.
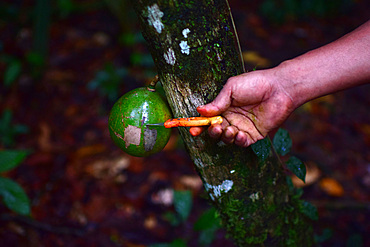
(128, 119)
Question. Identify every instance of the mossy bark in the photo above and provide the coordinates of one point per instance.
(195, 50)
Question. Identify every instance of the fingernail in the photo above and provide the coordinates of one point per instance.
(228, 134)
(238, 138)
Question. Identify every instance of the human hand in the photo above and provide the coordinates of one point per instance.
(252, 104)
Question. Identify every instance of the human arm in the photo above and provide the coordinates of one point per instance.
(255, 103)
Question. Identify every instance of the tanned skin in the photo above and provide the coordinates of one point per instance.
(254, 103)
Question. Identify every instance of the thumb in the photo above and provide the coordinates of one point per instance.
(218, 105)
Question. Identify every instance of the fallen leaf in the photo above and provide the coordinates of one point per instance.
(254, 58)
(97, 208)
(150, 222)
(109, 167)
(320, 106)
(77, 213)
(16, 228)
(44, 139)
(191, 182)
(332, 187)
(101, 39)
(89, 150)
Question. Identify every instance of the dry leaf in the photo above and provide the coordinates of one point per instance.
(254, 58)
(44, 139)
(332, 187)
(150, 222)
(89, 150)
(109, 167)
(192, 182)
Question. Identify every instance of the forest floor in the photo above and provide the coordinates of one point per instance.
(86, 192)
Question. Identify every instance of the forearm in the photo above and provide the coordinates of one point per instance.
(341, 64)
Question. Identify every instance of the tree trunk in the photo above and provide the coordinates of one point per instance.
(195, 49)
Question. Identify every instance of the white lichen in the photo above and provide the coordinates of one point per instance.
(170, 57)
(198, 162)
(254, 197)
(185, 32)
(219, 58)
(185, 48)
(154, 17)
(216, 190)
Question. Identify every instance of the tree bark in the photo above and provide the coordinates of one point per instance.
(195, 49)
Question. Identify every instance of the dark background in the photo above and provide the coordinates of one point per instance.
(74, 62)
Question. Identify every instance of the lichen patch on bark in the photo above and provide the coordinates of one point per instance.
(154, 18)
(170, 57)
(132, 135)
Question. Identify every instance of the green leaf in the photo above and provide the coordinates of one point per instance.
(20, 129)
(172, 218)
(175, 243)
(35, 58)
(11, 158)
(178, 243)
(290, 183)
(309, 210)
(207, 236)
(8, 131)
(282, 142)
(6, 120)
(355, 240)
(326, 235)
(208, 224)
(183, 203)
(14, 196)
(12, 72)
(208, 220)
(296, 166)
(262, 148)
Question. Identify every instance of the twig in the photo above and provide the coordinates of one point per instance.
(43, 226)
(342, 205)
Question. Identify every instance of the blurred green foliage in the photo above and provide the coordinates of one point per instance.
(182, 203)
(175, 243)
(108, 81)
(279, 11)
(12, 70)
(325, 235)
(8, 130)
(207, 224)
(13, 195)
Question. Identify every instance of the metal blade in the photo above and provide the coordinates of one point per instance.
(156, 124)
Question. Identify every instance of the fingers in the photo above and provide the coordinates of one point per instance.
(196, 131)
(242, 139)
(229, 134)
(215, 131)
(218, 105)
